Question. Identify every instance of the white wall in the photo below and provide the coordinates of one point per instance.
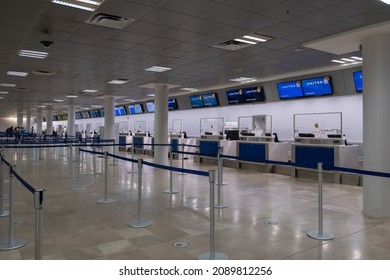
(6, 123)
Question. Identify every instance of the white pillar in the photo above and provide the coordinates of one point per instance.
(19, 118)
(28, 121)
(49, 121)
(161, 124)
(376, 116)
(39, 121)
(109, 120)
(71, 121)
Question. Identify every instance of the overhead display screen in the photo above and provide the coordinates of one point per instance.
(289, 90)
(196, 101)
(317, 86)
(210, 99)
(78, 115)
(135, 109)
(94, 113)
(101, 111)
(172, 104)
(85, 115)
(245, 95)
(358, 79)
(150, 107)
(120, 111)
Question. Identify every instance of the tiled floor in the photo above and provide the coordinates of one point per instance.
(268, 216)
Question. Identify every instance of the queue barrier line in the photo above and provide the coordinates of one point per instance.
(12, 243)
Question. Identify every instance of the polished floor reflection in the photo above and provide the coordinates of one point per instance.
(268, 215)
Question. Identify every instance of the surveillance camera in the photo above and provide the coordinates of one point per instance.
(46, 44)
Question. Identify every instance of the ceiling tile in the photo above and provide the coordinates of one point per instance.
(352, 8)
(124, 8)
(252, 5)
(224, 14)
(255, 22)
(280, 30)
(164, 17)
(161, 42)
(146, 28)
(304, 36)
(131, 37)
(287, 10)
(191, 8)
(315, 19)
(199, 25)
(229, 32)
(337, 27)
(320, 4)
(179, 34)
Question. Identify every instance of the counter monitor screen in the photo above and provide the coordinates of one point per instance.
(245, 95)
(317, 86)
(172, 104)
(150, 106)
(290, 90)
(210, 99)
(78, 115)
(196, 101)
(358, 79)
(135, 109)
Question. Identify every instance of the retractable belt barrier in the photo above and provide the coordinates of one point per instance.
(12, 243)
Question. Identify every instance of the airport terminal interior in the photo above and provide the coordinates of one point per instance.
(207, 129)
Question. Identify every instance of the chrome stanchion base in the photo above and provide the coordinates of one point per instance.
(324, 236)
(217, 256)
(140, 224)
(4, 214)
(221, 206)
(105, 201)
(171, 192)
(17, 243)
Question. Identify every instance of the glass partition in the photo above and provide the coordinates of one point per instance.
(212, 126)
(318, 125)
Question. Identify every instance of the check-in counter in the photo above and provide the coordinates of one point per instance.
(125, 142)
(306, 155)
(177, 146)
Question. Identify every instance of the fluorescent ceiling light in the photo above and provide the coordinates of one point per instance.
(356, 57)
(1, 97)
(17, 73)
(243, 80)
(87, 5)
(7, 85)
(245, 41)
(158, 69)
(255, 38)
(152, 94)
(96, 106)
(58, 100)
(347, 59)
(90, 90)
(338, 61)
(189, 89)
(41, 106)
(72, 96)
(33, 54)
(118, 82)
(85, 108)
(128, 100)
(386, 1)
(3, 92)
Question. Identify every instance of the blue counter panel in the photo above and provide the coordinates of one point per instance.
(308, 156)
(122, 139)
(138, 142)
(251, 152)
(208, 148)
(174, 144)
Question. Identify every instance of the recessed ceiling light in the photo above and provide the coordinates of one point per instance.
(90, 90)
(243, 80)
(17, 73)
(129, 100)
(1, 97)
(72, 96)
(58, 100)
(386, 1)
(255, 38)
(151, 95)
(347, 59)
(3, 92)
(357, 58)
(87, 5)
(95, 106)
(33, 54)
(338, 61)
(7, 85)
(245, 41)
(189, 89)
(118, 81)
(158, 69)
(41, 106)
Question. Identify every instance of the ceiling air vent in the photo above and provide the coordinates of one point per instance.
(110, 21)
(43, 73)
(232, 45)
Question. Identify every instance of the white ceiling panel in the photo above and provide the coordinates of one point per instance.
(287, 10)
(164, 17)
(224, 14)
(191, 8)
(199, 25)
(253, 5)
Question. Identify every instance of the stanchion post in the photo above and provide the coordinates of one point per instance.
(132, 157)
(105, 200)
(220, 204)
(3, 213)
(12, 243)
(182, 161)
(320, 234)
(70, 161)
(114, 153)
(170, 190)
(139, 223)
(38, 205)
(78, 165)
(212, 255)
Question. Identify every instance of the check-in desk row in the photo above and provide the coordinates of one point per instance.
(142, 144)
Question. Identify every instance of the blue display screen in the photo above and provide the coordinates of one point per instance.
(245, 95)
(196, 101)
(358, 79)
(172, 104)
(150, 107)
(101, 112)
(78, 115)
(317, 86)
(210, 99)
(118, 111)
(289, 90)
(94, 114)
(135, 109)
